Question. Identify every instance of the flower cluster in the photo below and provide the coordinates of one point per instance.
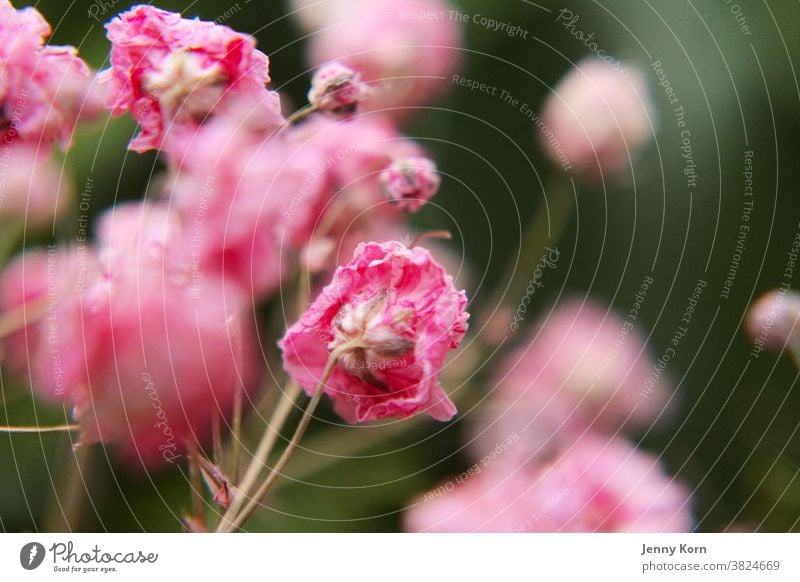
(147, 332)
(44, 92)
(570, 388)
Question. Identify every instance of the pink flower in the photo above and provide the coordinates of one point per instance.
(582, 367)
(599, 118)
(147, 354)
(36, 285)
(392, 315)
(251, 205)
(593, 485)
(33, 189)
(774, 320)
(44, 90)
(406, 49)
(410, 183)
(170, 73)
(337, 90)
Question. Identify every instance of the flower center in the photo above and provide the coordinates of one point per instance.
(377, 334)
(182, 86)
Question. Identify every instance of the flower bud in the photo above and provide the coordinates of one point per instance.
(774, 320)
(337, 90)
(410, 182)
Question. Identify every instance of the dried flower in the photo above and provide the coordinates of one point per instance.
(391, 316)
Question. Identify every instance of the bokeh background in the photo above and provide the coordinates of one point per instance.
(734, 434)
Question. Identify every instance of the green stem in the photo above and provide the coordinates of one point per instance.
(546, 228)
(275, 472)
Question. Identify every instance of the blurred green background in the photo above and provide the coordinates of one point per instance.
(734, 436)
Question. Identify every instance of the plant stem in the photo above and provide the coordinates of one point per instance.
(196, 483)
(19, 317)
(265, 446)
(40, 429)
(275, 472)
(545, 228)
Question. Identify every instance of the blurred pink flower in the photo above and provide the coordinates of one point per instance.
(170, 73)
(583, 367)
(599, 117)
(33, 189)
(395, 315)
(409, 183)
(44, 90)
(251, 205)
(337, 90)
(774, 320)
(407, 57)
(146, 353)
(36, 285)
(593, 485)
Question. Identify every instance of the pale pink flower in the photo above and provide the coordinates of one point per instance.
(251, 206)
(33, 189)
(581, 367)
(170, 73)
(44, 90)
(147, 355)
(597, 118)
(410, 183)
(392, 314)
(592, 485)
(408, 59)
(774, 320)
(36, 285)
(337, 90)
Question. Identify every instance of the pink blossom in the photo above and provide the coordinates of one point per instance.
(33, 189)
(146, 354)
(44, 90)
(170, 73)
(774, 319)
(337, 89)
(592, 485)
(599, 118)
(407, 58)
(36, 285)
(252, 206)
(581, 367)
(392, 314)
(410, 183)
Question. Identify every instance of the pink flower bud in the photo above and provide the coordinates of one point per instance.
(593, 485)
(407, 60)
(774, 320)
(171, 73)
(597, 118)
(391, 316)
(337, 90)
(410, 182)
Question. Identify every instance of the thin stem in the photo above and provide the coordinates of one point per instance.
(545, 228)
(196, 482)
(268, 440)
(236, 439)
(297, 116)
(39, 429)
(216, 434)
(275, 472)
(67, 502)
(22, 316)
